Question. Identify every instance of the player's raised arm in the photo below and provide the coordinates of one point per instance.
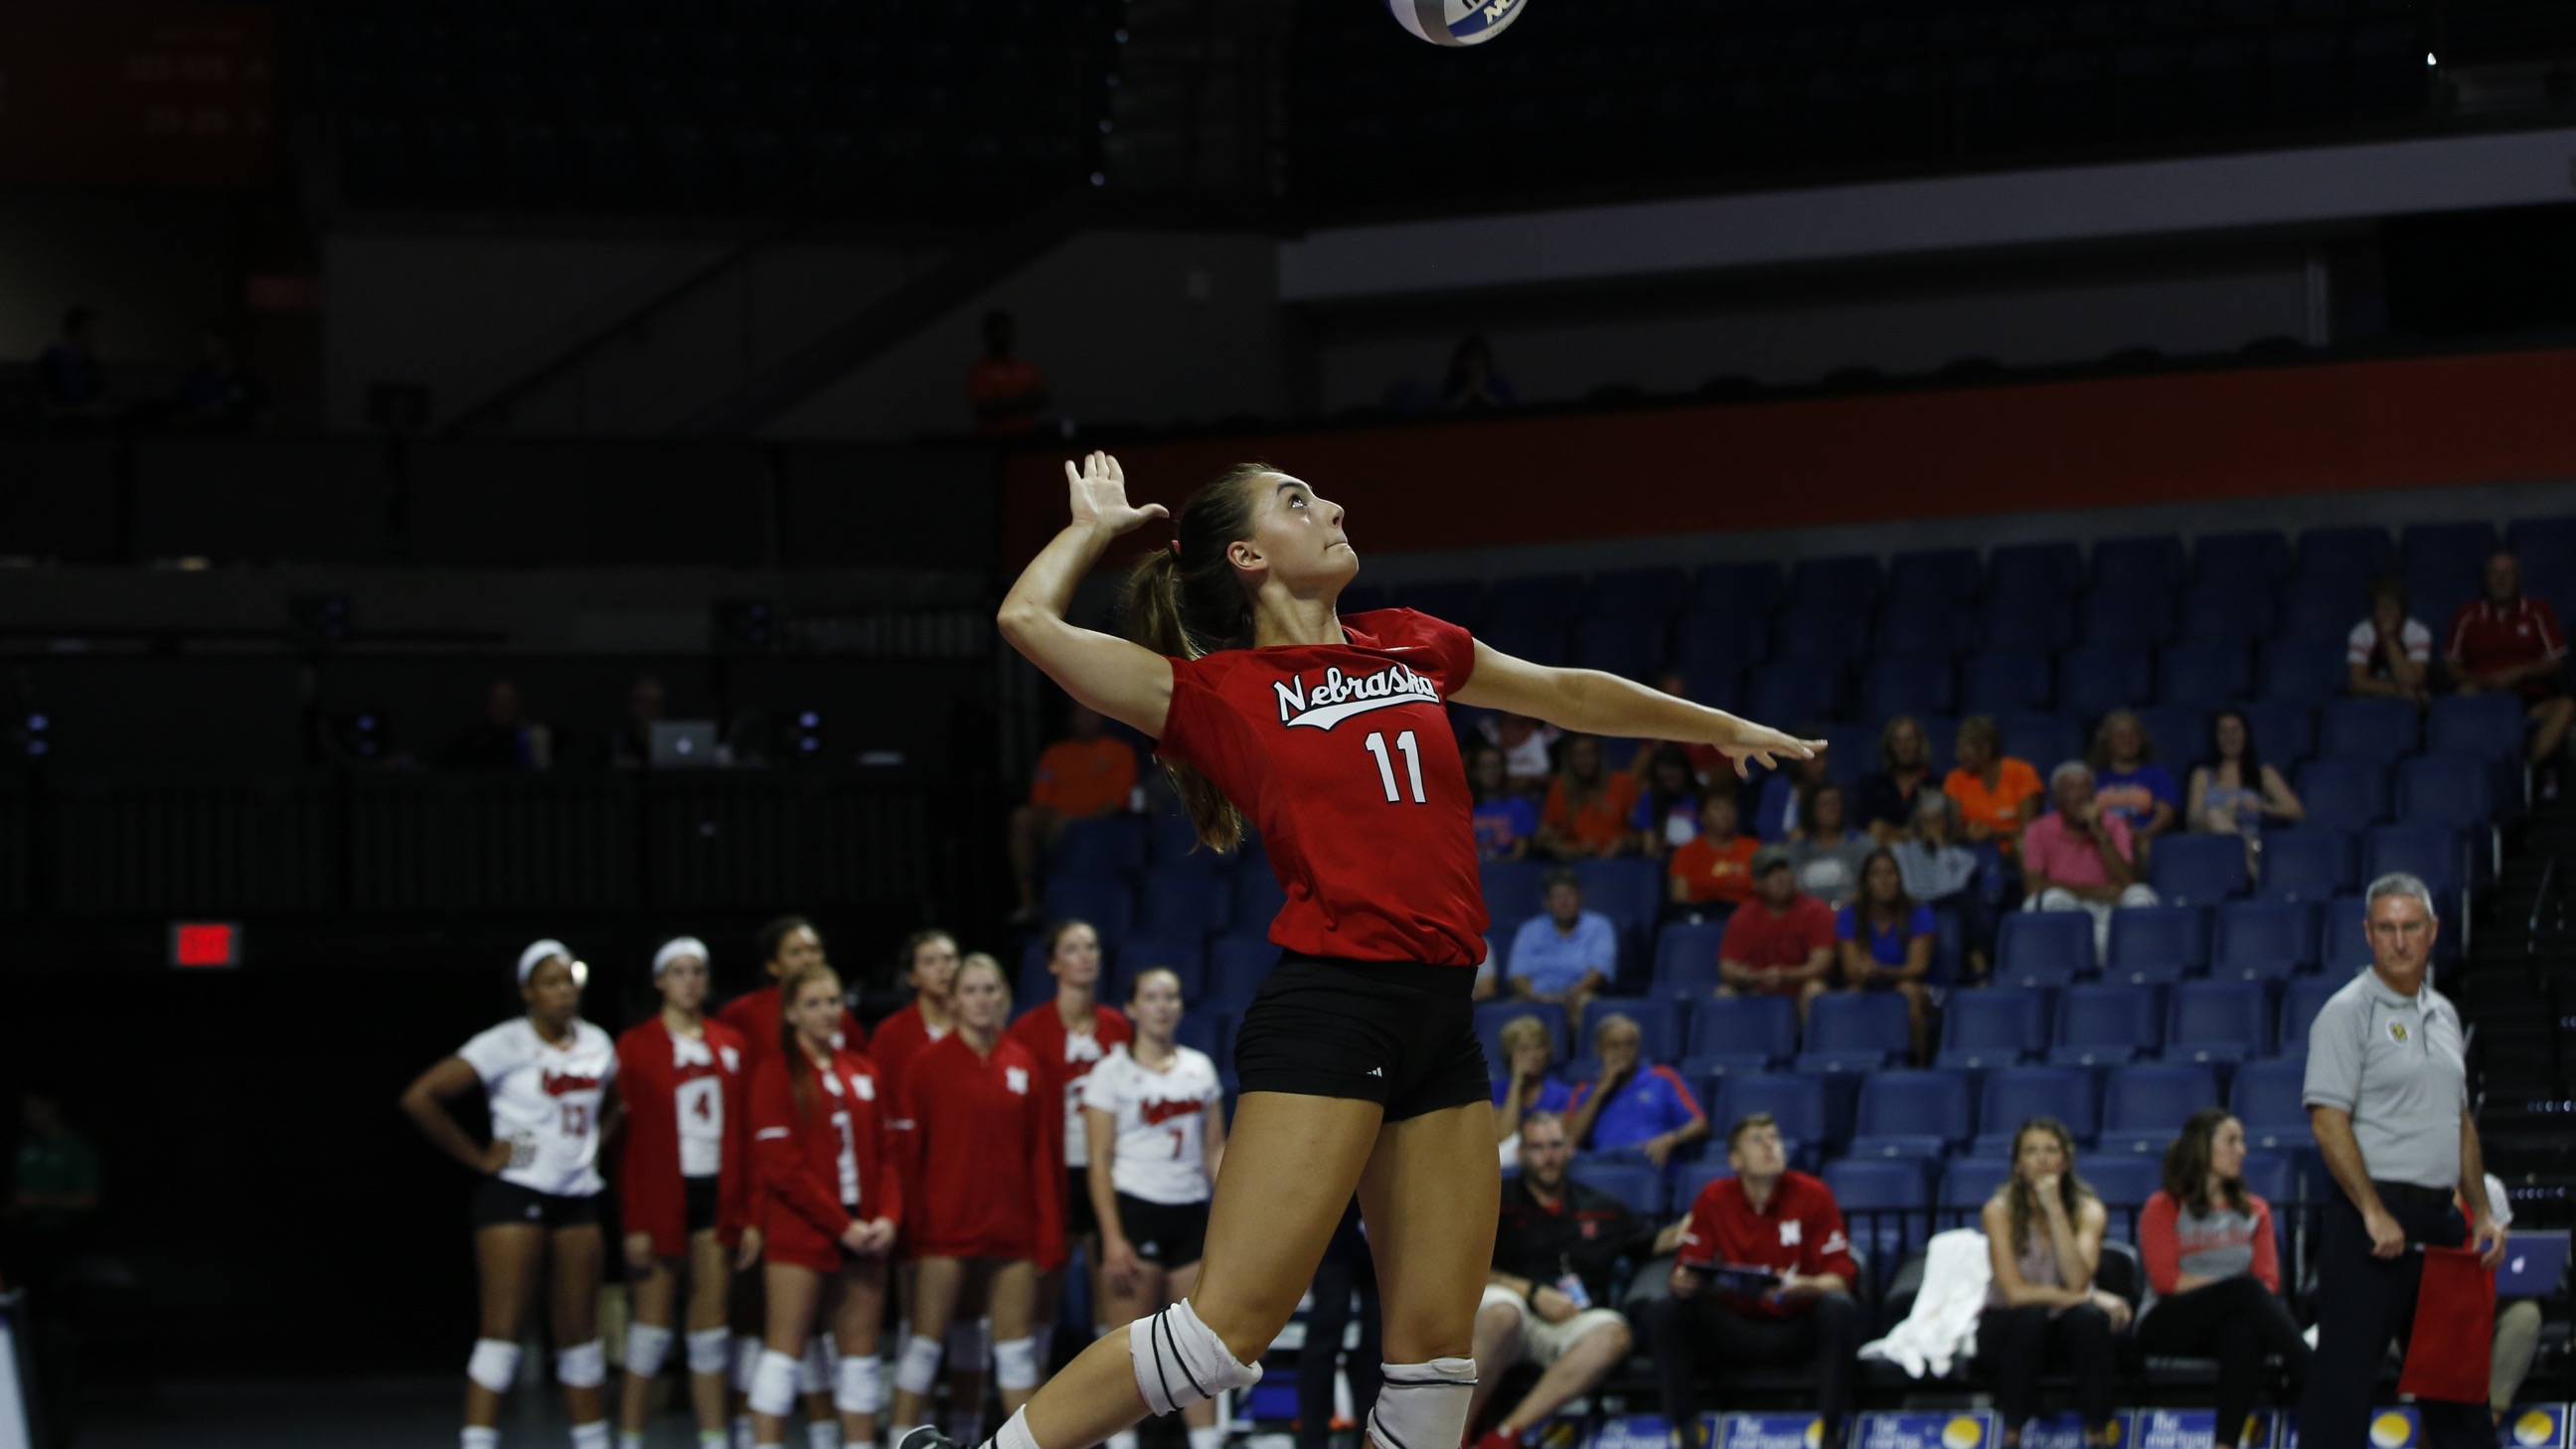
(1604, 704)
(1125, 681)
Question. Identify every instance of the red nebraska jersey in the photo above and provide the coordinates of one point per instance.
(825, 1167)
(977, 1144)
(755, 1015)
(684, 1119)
(897, 1040)
(1342, 757)
(1067, 1058)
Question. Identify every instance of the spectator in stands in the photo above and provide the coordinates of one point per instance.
(1589, 809)
(1784, 794)
(2509, 643)
(1712, 873)
(2044, 1231)
(1767, 1217)
(631, 748)
(1886, 940)
(1473, 383)
(218, 394)
(2517, 1325)
(1668, 811)
(53, 1193)
(71, 385)
(1505, 822)
(1567, 955)
(2214, 1271)
(1824, 850)
(2079, 857)
(1998, 795)
(2391, 652)
(1888, 794)
(505, 740)
(1006, 392)
(1708, 762)
(1088, 775)
(1634, 1106)
(1781, 943)
(1527, 745)
(2232, 791)
(2129, 782)
(1555, 1247)
(1529, 1049)
(1942, 873)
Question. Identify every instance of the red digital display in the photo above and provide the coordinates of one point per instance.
(205, 943)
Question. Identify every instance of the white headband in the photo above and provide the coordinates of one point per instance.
(540, 952)
(675, 948)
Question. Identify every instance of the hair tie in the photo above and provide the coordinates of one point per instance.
(1176, 548)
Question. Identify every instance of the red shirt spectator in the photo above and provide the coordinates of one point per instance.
(1800, 1230)
(755, 1015)
(1784, 939)
(2488, 638)
(1080, 778)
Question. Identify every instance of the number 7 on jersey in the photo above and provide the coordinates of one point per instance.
(1386, 765)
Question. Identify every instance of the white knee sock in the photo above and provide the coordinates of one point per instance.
(626, 1440)
(480, 1438)
(1210, 1437)
(742, 1433)
(593, 1435)
(1015, 1433)
(826, 1435)
(1123, 1439)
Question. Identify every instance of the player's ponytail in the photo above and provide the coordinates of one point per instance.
(791, 1052)
(1184, 600)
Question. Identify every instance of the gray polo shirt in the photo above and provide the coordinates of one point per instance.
(2395, 1063)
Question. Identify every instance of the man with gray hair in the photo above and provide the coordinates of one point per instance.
(2387, 1090)
(1634, 1105)
(2079, 858)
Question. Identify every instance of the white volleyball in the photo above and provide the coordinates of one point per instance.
(1456, 22)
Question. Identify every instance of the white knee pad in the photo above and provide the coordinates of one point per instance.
(746, 1360)
(708, 1350)
(918, 1368)
(1015, 1364)
(773, 1385)
(968, 1344)
(646, 1346)
(494, 1364)
(582, 1366)
(1423, 1405)
(1181, 1361)
(814, 1375)
(861, 1385)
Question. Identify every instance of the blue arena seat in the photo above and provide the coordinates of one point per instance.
(2202, 676)
(1999, 1026)
(2345, 795)
(1257, 898)
(1795, 1100)
(1629, 646)
(2123, 1184)
(1906, 684)
(1627, 889)
(2486, 725)
(2154, 562)
(1656, 593)
(1885, 1206)
(1851, 577)
(2156, 943)
(2544, 545)
(1854, 1031)
(1795, 690)
(2304, 997)
(2359, 553)
(2318, 614)
(1966, 1183)
(1102, 846)
(2014, 1095)
(2174, 734)
(1492, 1016)
(1820, 634)
(2225, 612)
(1209, 1031)
(2114, 618)
(2264, 940)
(2043, 948)
(1172, 840)
(1712, 651)
(1552, 599)
(1459, 601)
(2284, 731)
(2458, 549)
(1638, 1184)
(2004, 683)
(1104, 901)
(1938, 629)
(2103, 1025)
(2378, 730)
(1937, 575)
(2020, 621)
(1758, 1030)
(2452, 791)
(1913, 1114)
(2094, 680)
(2051, 568)
(1514, 889)
(1237, 964)
(1548, 644)
(1686, 959)
(2197, 870)
(1660, 1024)
(2218, 1021)
(1183, 956)
(2045, 740)
(2308, 671)
(2144, 1107)
(2260, 556)
(2431, 853)
(1184, 900)
(1737, 588)
(2269, 1098)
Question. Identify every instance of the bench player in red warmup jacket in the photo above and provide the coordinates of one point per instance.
(1358, 1059)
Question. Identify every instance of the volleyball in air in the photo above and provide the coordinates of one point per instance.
(1456, 22)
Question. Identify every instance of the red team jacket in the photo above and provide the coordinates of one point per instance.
(824, 1168)
(898, 1039)
(1343, 757)
(978, 1141)
(755, 1015)
(659, 1090)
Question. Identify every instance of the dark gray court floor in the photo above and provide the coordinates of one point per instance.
(410, 1413)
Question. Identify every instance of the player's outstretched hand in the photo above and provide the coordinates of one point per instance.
(1100, 495)
(1754, 742)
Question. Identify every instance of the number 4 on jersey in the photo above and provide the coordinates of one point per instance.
(1386, 765)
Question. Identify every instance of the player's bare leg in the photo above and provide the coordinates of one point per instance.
(654, 1295)
(936, 1284)
(509, 1261)
(1013, 1287)
(710, 1279)
(579, 1255)
(795, 1296)
(855, 1317)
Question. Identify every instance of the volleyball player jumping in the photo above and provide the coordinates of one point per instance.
(1358, 1059)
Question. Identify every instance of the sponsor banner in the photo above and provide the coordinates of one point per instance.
(1929, 1429)
(1770, 1431)
(2533, 1426)
(2197, 1429)
(1632, 1431)
(2066, 1431)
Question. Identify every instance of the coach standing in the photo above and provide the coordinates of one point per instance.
(2387, 1088)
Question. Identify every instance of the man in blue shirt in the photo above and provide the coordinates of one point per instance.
(1635, 1106)
(1566, 955)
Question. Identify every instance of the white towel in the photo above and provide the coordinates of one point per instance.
(1942, 1328)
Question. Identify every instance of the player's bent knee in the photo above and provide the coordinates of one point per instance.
(773, 1384)
(1421, 1405)
(707, 1350)
(917, 1368)
(859, 1387)
(582, 1366)
(494, 1364)
(647, 1344)
(1180, 1361)
(1015, 1364)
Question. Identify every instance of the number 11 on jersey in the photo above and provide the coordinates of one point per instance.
(1386, 765)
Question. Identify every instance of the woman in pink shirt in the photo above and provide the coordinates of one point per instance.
(2214, 1271)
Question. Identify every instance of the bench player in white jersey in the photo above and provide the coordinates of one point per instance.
(1155, 1116)
(548, 1077)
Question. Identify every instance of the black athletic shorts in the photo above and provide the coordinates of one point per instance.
(698, 1203)
(1080, 1221)
(1167, 1235)
(1401, 1034)
(498, 1203)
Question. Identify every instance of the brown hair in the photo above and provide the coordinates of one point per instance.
(791, 1053)
(2099, 757)
(1866, 908)
(2187, 1165)
(1055, 936)
(913, 943)
(1579, 795)
(773, 937)
(1887, 741)
(1186, 601)
(2020, 1201)
(1747, 1123)
(1979, 729)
